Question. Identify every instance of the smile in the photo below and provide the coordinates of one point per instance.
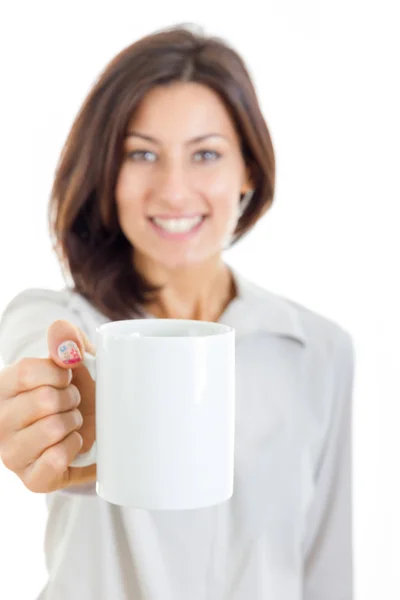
(177, 227)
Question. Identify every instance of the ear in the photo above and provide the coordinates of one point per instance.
(247, 184)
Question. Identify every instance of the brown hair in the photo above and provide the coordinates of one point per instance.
(82, 211)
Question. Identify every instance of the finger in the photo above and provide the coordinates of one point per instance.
(67, 344)
(50, 471)
(27, 408)
(30, 373)
(27, 445)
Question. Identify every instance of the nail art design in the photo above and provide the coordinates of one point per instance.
(69, 353)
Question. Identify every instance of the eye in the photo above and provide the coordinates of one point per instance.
(206, 156)
(142, 155)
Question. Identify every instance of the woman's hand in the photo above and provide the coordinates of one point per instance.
(47, 413)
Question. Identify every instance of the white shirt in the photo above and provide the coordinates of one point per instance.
(286, 532)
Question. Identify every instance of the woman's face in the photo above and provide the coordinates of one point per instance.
(182, 174)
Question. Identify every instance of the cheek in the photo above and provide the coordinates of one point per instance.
(128, 199)
(224, 195)
(225, 214)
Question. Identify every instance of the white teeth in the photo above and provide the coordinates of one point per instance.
(177, 225)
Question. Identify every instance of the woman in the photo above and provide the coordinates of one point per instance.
(169, 162)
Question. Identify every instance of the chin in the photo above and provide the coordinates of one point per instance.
(173, 263)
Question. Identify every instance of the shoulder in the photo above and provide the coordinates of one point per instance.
(279, 315)
(36, 297)
(33, 310)
(323, 333)
(324, 347)
(329, 354)
(39, 300)
(32, 303)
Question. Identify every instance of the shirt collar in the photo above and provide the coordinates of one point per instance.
(257, 310)
(253, 310)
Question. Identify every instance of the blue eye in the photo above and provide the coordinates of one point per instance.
(145, 155)
(206, 156)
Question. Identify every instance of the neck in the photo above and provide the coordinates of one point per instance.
(200, 292)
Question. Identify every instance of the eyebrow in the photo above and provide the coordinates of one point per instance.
(195, 140)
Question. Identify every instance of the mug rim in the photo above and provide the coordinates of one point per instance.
(206, 328)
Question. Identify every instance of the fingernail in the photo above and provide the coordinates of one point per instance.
(69, 353)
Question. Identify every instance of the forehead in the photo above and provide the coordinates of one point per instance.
(188, 109)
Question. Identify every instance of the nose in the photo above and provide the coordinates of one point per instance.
(171, 185)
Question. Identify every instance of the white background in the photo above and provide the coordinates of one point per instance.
(326, 76)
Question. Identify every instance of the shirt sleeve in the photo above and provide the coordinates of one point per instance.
(328, 570)
(26, 319)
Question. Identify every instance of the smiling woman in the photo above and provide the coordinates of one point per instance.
(184, 168)
(168, 162)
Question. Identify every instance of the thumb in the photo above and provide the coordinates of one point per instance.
(67, 344)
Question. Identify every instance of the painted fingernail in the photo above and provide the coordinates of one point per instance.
(69, 353)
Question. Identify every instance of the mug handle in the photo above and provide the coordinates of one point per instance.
(89, 457)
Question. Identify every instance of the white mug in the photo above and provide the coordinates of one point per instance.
(165, 413)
